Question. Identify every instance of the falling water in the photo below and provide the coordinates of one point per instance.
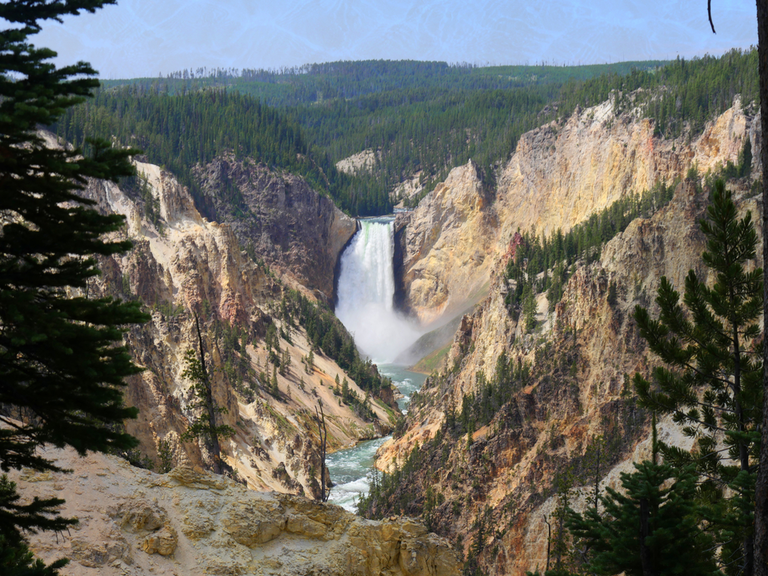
(365, 306)
(366, 292)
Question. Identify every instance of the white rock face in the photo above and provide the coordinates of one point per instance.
(135, 522)
(364, 161)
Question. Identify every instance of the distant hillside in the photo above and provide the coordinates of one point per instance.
(182, 130)
(415, 119)
(423, 117)
(314, 83)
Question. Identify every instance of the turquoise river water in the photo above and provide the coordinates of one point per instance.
(351, 469)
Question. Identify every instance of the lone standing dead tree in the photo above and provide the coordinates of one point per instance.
(323, 432)
(205, 426)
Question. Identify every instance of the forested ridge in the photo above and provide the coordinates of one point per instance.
(181, 131)
(419, 118)
(290, 86)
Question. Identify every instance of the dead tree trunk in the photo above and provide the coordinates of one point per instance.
(761, 488)
(213, 437)
(323, 432)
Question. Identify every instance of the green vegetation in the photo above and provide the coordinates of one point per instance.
(327, 334)
(711, 376)
(542, 263)
(429, 117)
(419, 118)
(652, 527)
(204, 427)
(346, 80)
(182, 131)
(62, 362)
(694, 512)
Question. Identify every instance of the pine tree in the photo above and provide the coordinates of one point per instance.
(205, 426)
(61, 363)
(651, 529)
(711, 380)
(274, 389)
(310, 366)
(529, 308)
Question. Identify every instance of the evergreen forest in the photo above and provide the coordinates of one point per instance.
(419, 119)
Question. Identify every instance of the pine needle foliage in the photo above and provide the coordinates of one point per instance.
(651, 528)
(205, 426)
(711, 377)
(62, 362)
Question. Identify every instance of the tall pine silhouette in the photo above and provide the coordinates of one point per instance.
(62, 364)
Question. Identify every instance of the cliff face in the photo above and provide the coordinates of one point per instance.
(135, 522)
(494, 488)
(280, 218)
(572, 387)
(558, 176)
(183, 266)
(446, 246)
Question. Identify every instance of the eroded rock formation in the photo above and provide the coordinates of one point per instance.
(495, 491)
(136, 522)
(280, 218)
(184, 266)
(558, 176)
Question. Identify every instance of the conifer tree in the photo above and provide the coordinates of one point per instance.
(651, 529)
(529, 308)
(711, 380)
(61, 362)
(205, 426)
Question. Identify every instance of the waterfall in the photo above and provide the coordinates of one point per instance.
(366, 289)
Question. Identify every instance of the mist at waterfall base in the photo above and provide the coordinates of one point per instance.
(351, 470)
(365, 306)
(366, 291)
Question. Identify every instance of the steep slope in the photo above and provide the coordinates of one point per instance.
(281, 219)
(135, 522)
(512, 419)
(183, 267)
(497, 437)
(558, 176)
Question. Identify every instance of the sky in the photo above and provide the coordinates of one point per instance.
(139, 38)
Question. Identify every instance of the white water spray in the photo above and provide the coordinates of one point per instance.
(366, 290)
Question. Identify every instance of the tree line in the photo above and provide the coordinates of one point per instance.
(192, 128)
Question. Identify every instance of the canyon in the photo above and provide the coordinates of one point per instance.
(243, 274)
(494, 492)
(185, 266)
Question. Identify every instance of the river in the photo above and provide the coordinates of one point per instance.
(351, 469)
(365, 305)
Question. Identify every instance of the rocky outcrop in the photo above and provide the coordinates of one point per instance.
(364, 161)
(558, 176)
(135, 522)
(567, 386)
(278, 218)
(182, 266)
(446, 247)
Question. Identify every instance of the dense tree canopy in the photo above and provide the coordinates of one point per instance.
(62, 364)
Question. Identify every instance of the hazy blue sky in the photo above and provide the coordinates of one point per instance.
(147, 37)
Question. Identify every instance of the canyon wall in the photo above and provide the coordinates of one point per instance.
(278, 216)
(493, 491)
(558, 176)
(183, 267)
